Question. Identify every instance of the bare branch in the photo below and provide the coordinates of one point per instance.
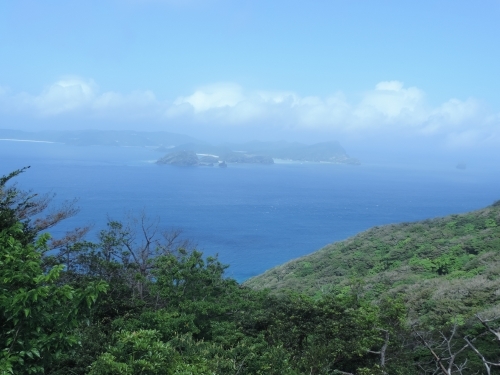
(445, 352)
(66, 210)
(437, 358)
(487, 364)
(485, 322)
(69, 238)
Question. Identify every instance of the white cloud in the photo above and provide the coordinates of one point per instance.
(135, 105)
(215, 96)
(74, 95)
(391, 102)
(65, 95)
(455, 111)
(389, 107)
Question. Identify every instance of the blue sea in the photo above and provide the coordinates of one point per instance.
(253, 216)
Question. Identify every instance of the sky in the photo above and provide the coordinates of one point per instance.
(375, 75)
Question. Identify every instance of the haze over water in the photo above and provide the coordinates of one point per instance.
(254, 216)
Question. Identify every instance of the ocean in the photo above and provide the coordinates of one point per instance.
(253, 216)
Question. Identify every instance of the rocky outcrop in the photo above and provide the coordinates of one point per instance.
(257, 153)
(180, 158)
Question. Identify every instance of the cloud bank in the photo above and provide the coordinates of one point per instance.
(388, 108)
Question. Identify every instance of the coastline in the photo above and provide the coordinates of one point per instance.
(24, 140)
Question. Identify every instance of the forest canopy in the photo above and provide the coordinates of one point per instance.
(141, 300)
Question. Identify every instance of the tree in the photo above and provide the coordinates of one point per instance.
(392, 349)
(464, 348)
(36, 213)
(124, 250)
(495, 331)
(138, 352)
(37, 315)
(333, 333)
(447, 352)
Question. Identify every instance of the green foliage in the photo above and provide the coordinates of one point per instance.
(37, 314)
(171, 310)
(490, 223)
(14, 206)
(138, 352)
(188, 277)
(435, 263)
(325, 334)
(196, 321)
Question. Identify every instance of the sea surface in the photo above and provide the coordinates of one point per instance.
(253, 216)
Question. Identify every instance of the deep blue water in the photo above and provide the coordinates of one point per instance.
(253, 216)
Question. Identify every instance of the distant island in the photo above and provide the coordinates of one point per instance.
(202, 154)
(183, 150)
(124, 138)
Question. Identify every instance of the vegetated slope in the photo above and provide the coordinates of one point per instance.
(265, 152)
(442, 267)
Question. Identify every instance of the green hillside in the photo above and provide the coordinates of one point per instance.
(140, 300)
(441, 267)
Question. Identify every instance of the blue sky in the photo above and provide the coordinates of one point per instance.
(421, 72)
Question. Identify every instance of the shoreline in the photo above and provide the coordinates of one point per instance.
(25, 140)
